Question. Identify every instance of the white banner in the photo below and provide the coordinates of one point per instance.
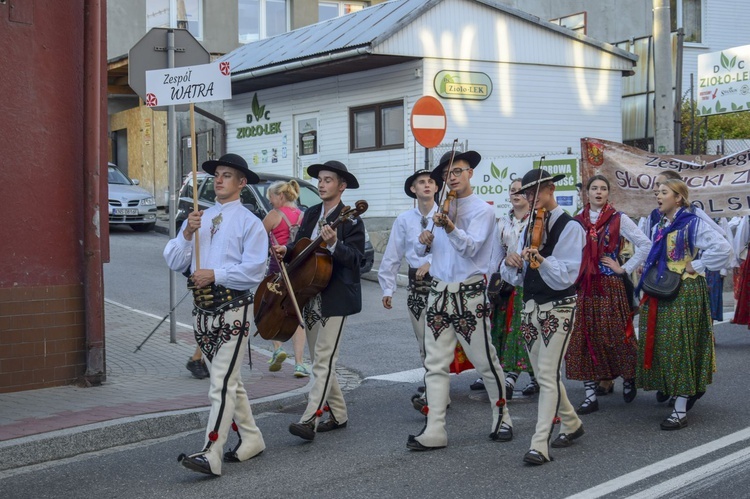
(492, 178)
(724, 81)
(188, 84)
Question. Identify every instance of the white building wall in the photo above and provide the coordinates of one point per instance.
(380, 174)
(532, 109)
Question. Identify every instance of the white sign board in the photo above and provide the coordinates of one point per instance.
(493, 176)
(724, 81)
(188, 84)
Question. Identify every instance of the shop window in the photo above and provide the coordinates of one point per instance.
(259, 19)
(330, 10)
(188, 15)
(686, 14)
(376, 127)
(575, 22)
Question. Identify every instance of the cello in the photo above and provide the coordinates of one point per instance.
(309, 272)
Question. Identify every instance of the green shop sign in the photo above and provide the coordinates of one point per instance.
(466, 85)
(259, 121)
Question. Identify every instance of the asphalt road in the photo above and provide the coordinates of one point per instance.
(623, 454)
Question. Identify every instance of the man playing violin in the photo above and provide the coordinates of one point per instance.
(402, 243)
(233, 250)
(547, 263)
(465, 249)
(326, 313)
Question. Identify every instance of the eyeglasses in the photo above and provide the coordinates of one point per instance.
(456, 172)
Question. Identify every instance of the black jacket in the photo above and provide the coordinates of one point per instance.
(343, 296)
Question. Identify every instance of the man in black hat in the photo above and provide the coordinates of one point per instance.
(233, 251)
(403, 243)
(326, 314)
(548, 270)
(465, 250)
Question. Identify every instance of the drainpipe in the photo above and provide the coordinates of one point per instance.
(93, 159)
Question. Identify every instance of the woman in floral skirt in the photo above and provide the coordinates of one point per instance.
(600, 348)
(676, 343)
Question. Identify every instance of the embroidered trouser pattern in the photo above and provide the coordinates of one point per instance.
(227, 393)
(323, 340)
(458, 312)
(546, 329)
(417, 303)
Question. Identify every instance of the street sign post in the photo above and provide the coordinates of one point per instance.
(166, 48)
(151, 52)
(428, 121)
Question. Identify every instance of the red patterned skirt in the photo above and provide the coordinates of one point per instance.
(742, 310)
(598, 346)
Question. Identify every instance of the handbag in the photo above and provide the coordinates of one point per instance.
(665, 287)
(497, 289)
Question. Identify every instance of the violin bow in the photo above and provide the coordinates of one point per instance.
(442, 189)
(287, 281)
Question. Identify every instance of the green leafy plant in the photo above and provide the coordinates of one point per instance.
(258, 110)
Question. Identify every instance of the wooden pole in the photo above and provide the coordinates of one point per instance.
(193, 160)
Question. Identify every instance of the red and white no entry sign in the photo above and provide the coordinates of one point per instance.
(428, 121)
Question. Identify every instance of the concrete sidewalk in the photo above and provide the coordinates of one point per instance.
(148, 394)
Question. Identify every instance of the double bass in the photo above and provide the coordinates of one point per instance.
(278, 300)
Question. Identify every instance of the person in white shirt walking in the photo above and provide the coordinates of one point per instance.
(233, 249)
(403, 243)
(465, 249)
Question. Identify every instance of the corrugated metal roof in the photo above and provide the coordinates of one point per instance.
(361, 30)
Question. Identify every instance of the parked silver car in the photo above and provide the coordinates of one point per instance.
(129, 204)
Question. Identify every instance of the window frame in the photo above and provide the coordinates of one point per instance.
(172, 19)
(679, 21)
(340, 4)
(378, 109)
(263, 21)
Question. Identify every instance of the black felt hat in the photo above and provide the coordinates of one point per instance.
(233, 161)
(334, 166)
(534, 177)
(471, 157)
(410, 180)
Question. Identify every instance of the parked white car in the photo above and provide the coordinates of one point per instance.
(129, 204)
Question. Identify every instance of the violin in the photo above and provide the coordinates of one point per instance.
(279, 298)
(536, 225)
(537, 232)
(445, 205)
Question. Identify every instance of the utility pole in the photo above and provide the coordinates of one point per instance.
(663, 99)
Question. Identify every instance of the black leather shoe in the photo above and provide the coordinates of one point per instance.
(535, 457)
(629, 391)
(504, 434)
(196, 463)
(477, 385)
(566, 439)
(588, 409)
(330, 425)
(418, 402)
(531, 389)
(231, 457)
(674, 423)
(413, 444)
(508, 392)
(661, 397)
(305, 431)
(420, 389)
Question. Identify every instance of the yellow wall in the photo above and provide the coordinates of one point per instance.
(147, 147)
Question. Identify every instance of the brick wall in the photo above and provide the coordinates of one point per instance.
(42, 336)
